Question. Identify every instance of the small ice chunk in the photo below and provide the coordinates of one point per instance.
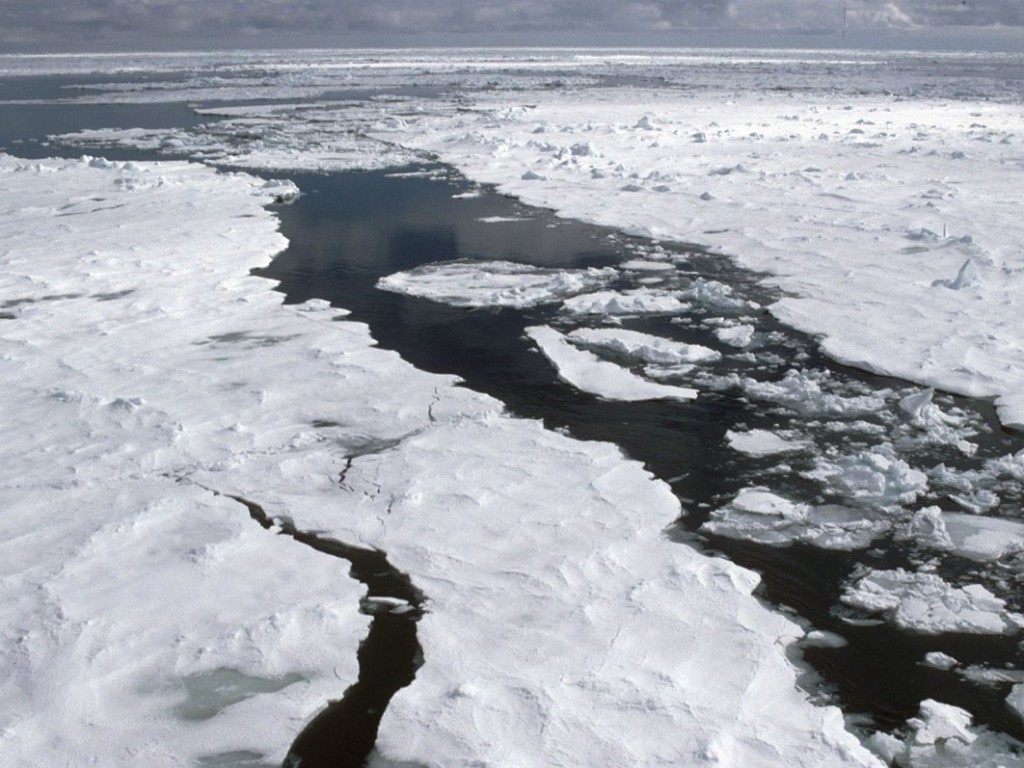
(757, 514)
(762, 502)
(944, 736)
(914, 405)
(738, 336)
(643, 265)
(761, 442)
(715, 295)
(820, 639)
(967, 277)
(939, 660)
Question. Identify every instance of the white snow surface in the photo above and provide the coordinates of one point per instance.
(149, 378)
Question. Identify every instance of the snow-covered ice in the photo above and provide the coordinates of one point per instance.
(877, 210)
(149, 379)
(761, 442)
(495, 283)
(926, 603)
(985, 539)
(944, 736)
(589, 373)
(757, 514)
(642, 347)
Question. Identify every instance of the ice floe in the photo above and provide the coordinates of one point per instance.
(642, 347)
(875, 476)
(761, 442)
(985, 539)
(589, 373)
(944, 736)
(926, 603)
(757, 514)
(495, 283)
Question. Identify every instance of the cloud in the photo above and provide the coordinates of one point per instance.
(123, 23)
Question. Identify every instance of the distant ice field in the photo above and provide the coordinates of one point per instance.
(869, 195)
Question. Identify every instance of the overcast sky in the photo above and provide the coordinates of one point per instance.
(163, 24)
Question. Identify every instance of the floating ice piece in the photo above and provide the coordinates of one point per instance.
(643, 347)
(871, 477)
(1015, 700)
(915, 405)
(820, 639)
(761, 442)
(468, 283)
(925, 603)
(944, 736)
(738, 336)
(757, 514)
(715, 295)
(589, 373)
(939, 660)
(985, 539)
(1011, 410)
(640, 301)
(932, 426)
(803, 392)
(643, 265)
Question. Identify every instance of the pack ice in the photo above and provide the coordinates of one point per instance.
(150, 381)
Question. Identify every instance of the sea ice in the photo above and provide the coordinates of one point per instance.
(139, 596)
(1015, 700)
(924, 602)
(638, 301)
(642, 347)
(757, 514)
(589, 373)
(470, 283)
(944, 736)
(985, 539)
(761, 442)
(871, 477)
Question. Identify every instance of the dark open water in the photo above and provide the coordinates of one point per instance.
(347, 230)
